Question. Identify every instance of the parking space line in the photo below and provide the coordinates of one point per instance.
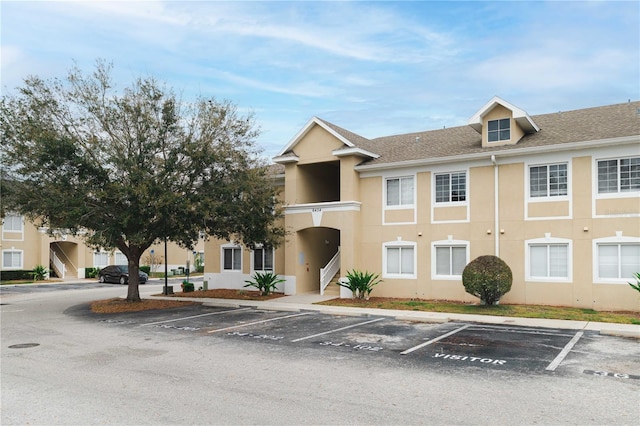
(422, 345)
(337, 329)
(565, 351)
(195, 316)
(257, 322)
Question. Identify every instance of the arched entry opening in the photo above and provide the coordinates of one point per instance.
(316, 247)
(63, 259)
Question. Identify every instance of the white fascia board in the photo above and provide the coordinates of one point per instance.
(286, 159)
(571, 146)
(342, 152)
(307, 128)
(522, 118)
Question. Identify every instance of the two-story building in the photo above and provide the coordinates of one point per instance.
(557, 196)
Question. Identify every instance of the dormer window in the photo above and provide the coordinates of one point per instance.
(499, 130)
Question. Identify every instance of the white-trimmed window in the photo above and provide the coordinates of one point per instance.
(262, 259)
(448, 258)
(231, 258)
(499, 130)
(400, 191)
(451, 187)
(548, 259)
(619, 175)
(101, 259)
(618, 261)
(12, 259)
(399, 259)
(120, 259)
(12, 224)
(549, 180)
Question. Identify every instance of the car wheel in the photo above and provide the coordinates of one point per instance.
(101, 279)
(123, 280)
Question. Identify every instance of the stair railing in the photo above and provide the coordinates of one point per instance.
(66, 260)
(58, 265)
(329, 271)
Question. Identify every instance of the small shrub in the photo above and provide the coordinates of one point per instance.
(39, 272)
(360, 283)
(487, 277)
(187, 287)
(265, 282)
(146, 269)
(636, 286)
(91, 272)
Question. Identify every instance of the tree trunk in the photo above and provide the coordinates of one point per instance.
(133, 292)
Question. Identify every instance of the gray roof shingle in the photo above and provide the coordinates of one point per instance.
(588, 124)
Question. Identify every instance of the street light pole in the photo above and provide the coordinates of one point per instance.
(166, 268)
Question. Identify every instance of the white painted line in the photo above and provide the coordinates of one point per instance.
(408, 351)
(257, 322)
(195, 316)
(337, 329)
(556, 362)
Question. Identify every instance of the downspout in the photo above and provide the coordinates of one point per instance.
(496, 206)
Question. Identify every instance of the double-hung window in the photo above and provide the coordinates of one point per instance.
(549, 261)
(548, 180)
(12, 259)
(100, 259)
(400, 191)
(619, 175)
(499, 130)
(120, 258)
(618, 261)
(12, 224)
(231, 258)
(262, 259)
(400, 259)
(450, 259)
(451, 187)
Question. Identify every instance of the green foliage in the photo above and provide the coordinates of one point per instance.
(132, 166)
(265, 282)
(146, 269)
(91, 272)
(636, 286)
(487, 277)
(360, 283)
(198, 262)
(39, 272)
(187, 287)
(16, 275)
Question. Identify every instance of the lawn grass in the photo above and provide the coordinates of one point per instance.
(521, 311)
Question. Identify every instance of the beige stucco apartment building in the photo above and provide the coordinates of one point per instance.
(557, 196)
(24, 245)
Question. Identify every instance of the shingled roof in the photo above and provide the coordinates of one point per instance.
(591, 124)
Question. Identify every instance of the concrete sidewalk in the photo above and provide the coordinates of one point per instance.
(306, 302)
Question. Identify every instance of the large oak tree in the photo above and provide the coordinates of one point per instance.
(128, 167)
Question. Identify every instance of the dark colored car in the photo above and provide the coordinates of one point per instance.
(119, 274)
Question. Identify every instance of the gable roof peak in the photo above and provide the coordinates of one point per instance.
(519, 115)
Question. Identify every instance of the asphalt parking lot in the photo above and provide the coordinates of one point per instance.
(447, 346)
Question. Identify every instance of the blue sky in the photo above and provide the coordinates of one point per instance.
(375, 68)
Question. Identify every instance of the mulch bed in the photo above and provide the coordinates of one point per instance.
(221, 293)
(118, 305)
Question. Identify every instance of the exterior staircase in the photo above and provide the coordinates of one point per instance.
(333, 289)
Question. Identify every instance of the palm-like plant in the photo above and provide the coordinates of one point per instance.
(265, 282)
(636, 286)
(360, 283)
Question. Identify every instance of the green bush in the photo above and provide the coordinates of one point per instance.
(39, 273)
(265, 282)
(91, 272)
(636, 286)
(360, 283)
(16, 275)
(487, 277)
(146, 269)
(187, 287)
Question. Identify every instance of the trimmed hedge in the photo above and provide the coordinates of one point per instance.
(16, 275)
(146, 269)
(487, 277)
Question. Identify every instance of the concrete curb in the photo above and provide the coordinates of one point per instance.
(610, 329)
